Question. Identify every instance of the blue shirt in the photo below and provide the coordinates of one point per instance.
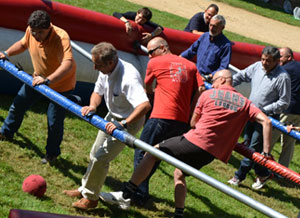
(212, 55)
(293, 69)
(197, 22)
(270, 92)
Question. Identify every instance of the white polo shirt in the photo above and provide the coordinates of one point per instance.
(123, 89)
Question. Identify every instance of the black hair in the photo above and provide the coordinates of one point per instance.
(146, 13)
(39, 19)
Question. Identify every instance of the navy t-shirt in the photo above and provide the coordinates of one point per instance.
(197, 22)
(293, 69)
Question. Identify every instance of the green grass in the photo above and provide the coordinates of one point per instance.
(22, 156)
(264, 9)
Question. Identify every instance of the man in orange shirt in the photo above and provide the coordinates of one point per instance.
(51, 54)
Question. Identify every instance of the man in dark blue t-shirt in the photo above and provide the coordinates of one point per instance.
(292, 67)
(141, 17)
(198, 24)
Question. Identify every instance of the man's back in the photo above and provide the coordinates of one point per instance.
(197, 22)
(223, 114)
(177, 79)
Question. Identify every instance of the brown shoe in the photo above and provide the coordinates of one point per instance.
(85, 204)
(73, 193)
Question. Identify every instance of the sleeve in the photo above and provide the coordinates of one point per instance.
(67, 48)
(134, 89)
(99, 85)
(154, 25)
(25, 39)
(225, 57)
(150, 76)
(130, 15)
(199, 105)
(284, 91)
(243, 75)
(253, 111)
(195, 22)
(192, 50)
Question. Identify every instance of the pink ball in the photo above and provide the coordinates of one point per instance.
(35, 185)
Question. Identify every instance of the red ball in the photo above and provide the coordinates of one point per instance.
(35, 185)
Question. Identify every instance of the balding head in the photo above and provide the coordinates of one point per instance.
(157, 46)
(286, 55)
(222, 77)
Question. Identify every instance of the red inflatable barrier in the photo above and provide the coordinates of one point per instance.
(93, 27)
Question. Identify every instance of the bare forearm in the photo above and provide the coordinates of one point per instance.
(15, 49)
(138, 112)
(61, 71)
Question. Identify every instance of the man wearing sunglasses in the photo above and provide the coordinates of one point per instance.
(177, 80)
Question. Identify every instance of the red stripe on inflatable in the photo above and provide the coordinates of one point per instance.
(93, 27)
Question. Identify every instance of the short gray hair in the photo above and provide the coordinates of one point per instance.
(105, 52)
(220, 18)
(273, 51)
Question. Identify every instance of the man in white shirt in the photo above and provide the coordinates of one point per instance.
(122, 87)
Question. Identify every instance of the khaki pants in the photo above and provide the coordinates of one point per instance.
(104, 150)
(286, 141)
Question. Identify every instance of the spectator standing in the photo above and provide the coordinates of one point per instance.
(213, 49)
(199, 23)
(177, 81)
(122, 87)
(271, 92)
(51, 55)
(218, 110)
(291, 115)
(141, 17)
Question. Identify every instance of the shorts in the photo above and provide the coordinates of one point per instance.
(180, 148)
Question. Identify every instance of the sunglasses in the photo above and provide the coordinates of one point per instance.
(153, 50)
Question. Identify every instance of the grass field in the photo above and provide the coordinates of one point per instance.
(21, 157)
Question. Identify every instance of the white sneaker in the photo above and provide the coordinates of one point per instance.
(234, 181)
(260, 181)
(115, 198)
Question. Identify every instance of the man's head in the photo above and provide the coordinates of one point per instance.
(105, 57)
(216, 25)
(157, 47)
(222, 77)
(286, 55)
(270, 58)
(39, 23)
(143, 15)
(210, 11)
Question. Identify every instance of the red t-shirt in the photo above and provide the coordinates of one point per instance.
(176, 80)
(223, 115)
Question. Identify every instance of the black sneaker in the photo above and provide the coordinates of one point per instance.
(4, 137)
(48, 159)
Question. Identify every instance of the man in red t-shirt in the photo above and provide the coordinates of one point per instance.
(218, 112)
(177, 81)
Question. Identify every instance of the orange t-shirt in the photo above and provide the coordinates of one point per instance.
(48, 55)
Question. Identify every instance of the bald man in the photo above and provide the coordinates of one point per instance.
(217, 112)
(177, 80)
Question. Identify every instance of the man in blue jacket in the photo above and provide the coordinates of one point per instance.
(213, 49)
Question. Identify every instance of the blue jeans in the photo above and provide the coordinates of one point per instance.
(155, 131)
(25, 98)
(253, 133)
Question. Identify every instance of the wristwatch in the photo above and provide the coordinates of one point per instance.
(47, 82)
(124, 123)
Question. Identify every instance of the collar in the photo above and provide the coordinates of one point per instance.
(115, 70)
(214, 38)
